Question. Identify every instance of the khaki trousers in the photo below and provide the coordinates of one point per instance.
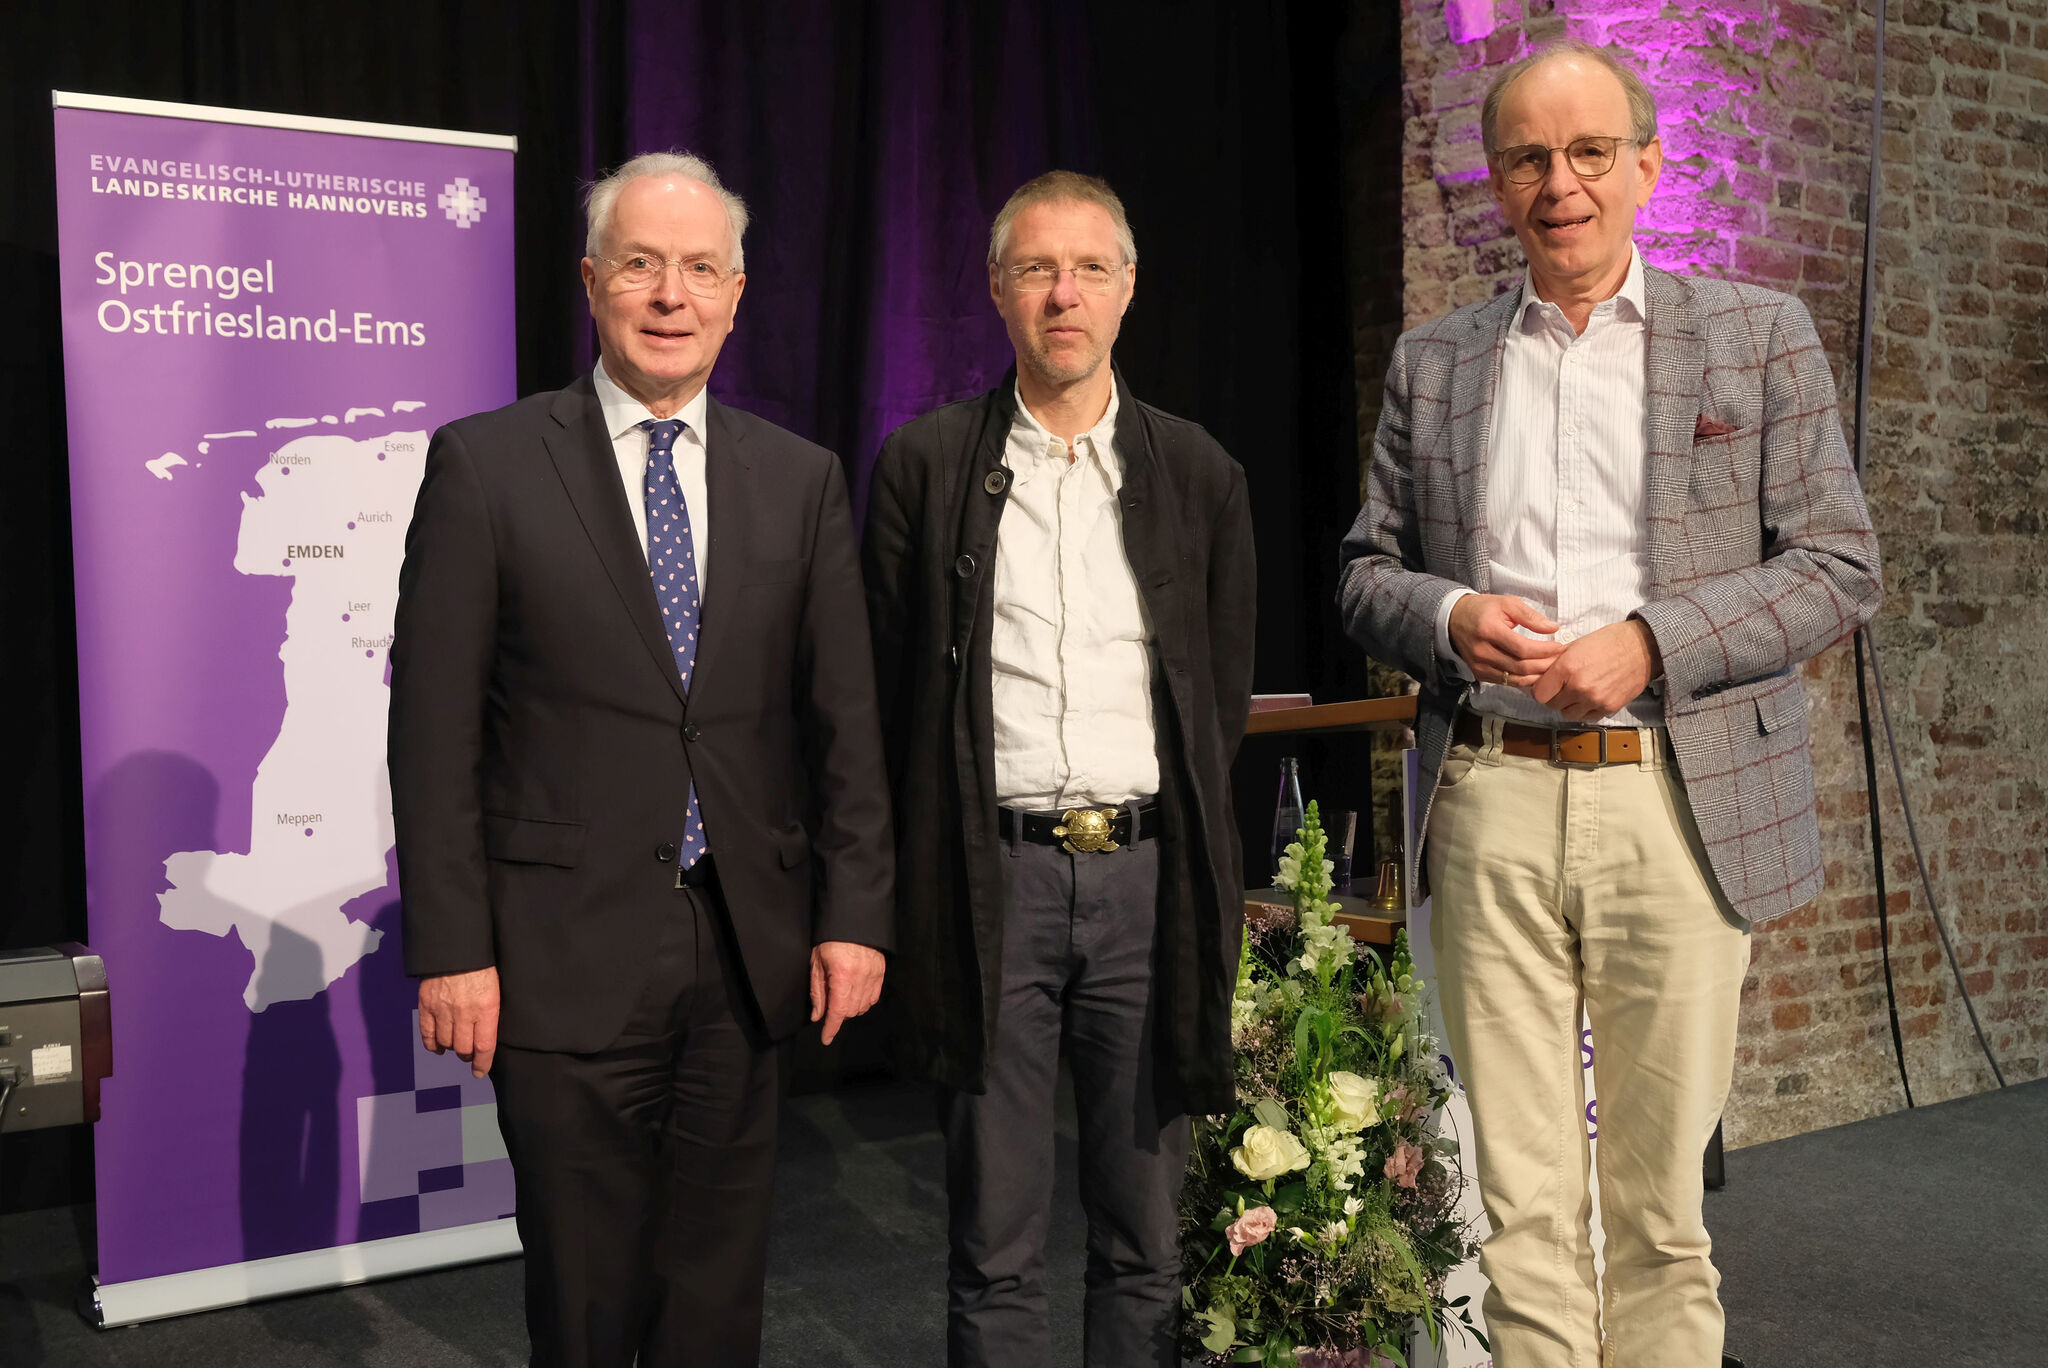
(1560, 889)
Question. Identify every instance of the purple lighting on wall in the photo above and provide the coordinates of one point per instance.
(1728, 138)
(1724, 132)
(1470, 20)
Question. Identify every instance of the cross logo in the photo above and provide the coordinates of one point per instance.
(462, 202)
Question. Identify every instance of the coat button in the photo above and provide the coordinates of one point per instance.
(964, 566)
(995, 481)
(665, 852)
(690, 732)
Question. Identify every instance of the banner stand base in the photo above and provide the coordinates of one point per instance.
(107, 1305)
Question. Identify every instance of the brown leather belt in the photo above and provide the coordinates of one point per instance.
(1565, 746)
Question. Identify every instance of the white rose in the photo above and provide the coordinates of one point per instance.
(1268, 1153)
(1354, 1101)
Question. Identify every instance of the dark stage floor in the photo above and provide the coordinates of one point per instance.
(1914, 1239)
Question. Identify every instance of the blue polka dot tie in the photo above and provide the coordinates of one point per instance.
(672, 561)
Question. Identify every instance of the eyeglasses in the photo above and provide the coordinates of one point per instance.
(1096, 277)
(1589, 158)
(639, 270)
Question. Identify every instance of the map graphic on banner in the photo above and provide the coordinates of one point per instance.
(330, 517)
(265, 319)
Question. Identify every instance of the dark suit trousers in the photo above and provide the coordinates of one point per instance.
(643, 1170)
(1078, 970)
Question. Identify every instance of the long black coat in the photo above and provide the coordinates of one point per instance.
(928, 554)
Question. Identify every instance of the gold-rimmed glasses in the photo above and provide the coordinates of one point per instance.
(1590, 158)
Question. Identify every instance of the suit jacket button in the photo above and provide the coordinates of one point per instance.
(953, 654)
(964, 566)
(665, 852)
(690, 732)
(995, 481)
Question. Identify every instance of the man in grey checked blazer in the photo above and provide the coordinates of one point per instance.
(1608, 514)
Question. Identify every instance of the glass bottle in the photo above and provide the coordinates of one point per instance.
(1288, 810)
(1343, 831)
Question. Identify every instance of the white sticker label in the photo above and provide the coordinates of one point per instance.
(48, 1062)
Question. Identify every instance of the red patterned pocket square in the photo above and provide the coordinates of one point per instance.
(1707, 427)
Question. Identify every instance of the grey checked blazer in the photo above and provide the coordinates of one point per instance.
(1761, 550)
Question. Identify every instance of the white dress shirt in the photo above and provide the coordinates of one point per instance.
(623, 415)
(1565, 507)
(1071, 649)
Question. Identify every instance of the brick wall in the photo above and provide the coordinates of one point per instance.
(1765, 118)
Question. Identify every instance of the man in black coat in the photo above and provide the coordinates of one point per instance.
(634, 760)
(1060, 585)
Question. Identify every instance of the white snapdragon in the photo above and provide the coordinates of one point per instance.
(1289, 875)
(1346, 1159)
(1323, 943)
(1244, 1004)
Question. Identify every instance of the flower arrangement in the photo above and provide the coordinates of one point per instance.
(1319, 1220)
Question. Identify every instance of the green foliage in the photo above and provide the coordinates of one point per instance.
(1333, 1057)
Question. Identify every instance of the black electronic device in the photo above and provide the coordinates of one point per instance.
(56, 1038)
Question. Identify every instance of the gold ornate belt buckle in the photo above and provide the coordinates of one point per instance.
(1087, 830)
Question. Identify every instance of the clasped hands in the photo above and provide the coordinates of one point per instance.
(459, 1012)
(1583, 680)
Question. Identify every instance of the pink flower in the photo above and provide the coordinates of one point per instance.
(1251, 1228)
(1406, 1105)
(1404, 1164)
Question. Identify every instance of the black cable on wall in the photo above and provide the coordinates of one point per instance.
(1866, 643)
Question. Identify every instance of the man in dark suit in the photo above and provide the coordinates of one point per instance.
(631, 849)
(1060, 581)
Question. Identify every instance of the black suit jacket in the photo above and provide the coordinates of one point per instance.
(928, 553)
(542, 745)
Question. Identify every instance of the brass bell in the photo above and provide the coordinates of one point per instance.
(1387, 894)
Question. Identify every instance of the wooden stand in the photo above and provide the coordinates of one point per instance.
(1360, 714)
(1374, 928)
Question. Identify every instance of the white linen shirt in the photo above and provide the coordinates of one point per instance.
(623, 415)
(1565, 500)
(1071, 651)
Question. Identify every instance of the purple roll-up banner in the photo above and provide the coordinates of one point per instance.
(265, 317)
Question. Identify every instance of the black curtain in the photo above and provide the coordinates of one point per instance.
(874, 142)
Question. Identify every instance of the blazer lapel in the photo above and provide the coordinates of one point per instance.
(582, 452)
(728, 476)
(1475, 379)
(1674, 364)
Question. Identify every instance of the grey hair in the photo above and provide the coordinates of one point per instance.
(1642, 105)
(1053, 187)
(604, 196)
